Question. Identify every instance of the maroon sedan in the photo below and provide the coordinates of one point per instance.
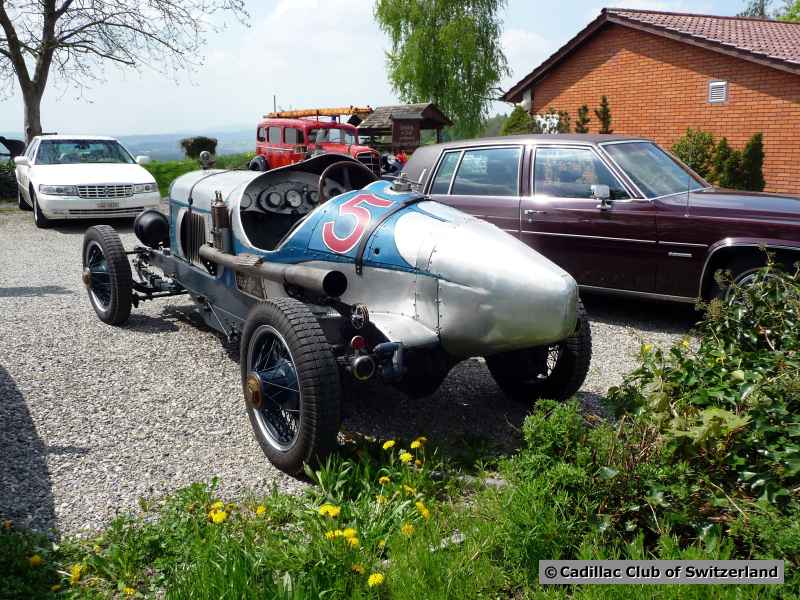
(619, 213)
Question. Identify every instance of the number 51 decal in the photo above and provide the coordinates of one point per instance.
(354, 208)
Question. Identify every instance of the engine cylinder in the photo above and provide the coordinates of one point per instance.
(152, 228)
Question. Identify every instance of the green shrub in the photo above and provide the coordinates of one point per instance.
(583, 120)
(519, 121)
(8, 181)
(721, 155)
(731, 175)
(696, 149)
(193, 146)
(603, 115)
(753, 164)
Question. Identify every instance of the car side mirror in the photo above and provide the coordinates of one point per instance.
(603, 194)
(142, 160)
(22, 161)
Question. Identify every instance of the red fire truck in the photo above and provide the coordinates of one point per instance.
(287, 137)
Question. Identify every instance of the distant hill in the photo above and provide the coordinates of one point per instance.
(165, 146)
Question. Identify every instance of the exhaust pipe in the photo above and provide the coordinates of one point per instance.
(322, 282)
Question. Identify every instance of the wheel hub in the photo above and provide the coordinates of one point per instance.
(86, 277)
(252, 391)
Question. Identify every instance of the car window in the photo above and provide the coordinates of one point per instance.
(652, 170)
(571, 173)
(261, 134)
(441, 183)
(68, 152)
(488, 172)
(274, 135)
(32, 150)
(293, 136)
(332, 135)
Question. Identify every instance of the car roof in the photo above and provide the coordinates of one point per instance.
(300, 123)
(62, 136)
(581, 138)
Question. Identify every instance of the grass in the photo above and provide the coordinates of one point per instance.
(166, 172)
(195, 544)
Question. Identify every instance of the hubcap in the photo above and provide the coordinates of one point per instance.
(272, 388)
(96, 276)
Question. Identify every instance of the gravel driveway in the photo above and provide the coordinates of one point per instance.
(94, 417)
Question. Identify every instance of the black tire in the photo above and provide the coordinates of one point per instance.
(39, 219)
(107, 274)
(525, 376)
(739, 268)
(317, 397)
(259, 163)
(21, 201)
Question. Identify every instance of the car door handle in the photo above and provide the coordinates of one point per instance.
(529, 212)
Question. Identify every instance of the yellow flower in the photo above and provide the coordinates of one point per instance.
(685, 343)
(410, 491)
(384, 480)
(329, 510)
(75, 574)
(260, 510)
(354, 543)
(405, 457)
(218, 516)
(407, 529)
(129, 591)
(218, 505)
(421, 439)
(230, 507)
(381, 544)
(332, 535)
(388, 445)
(423, 510)
(349, 533)
(415, 444)
(56, 587)
(380, 498)
(418, 463)
(36, 560)
(375, 579)
(358, 568)
(647, 348)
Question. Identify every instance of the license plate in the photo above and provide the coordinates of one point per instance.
(107, 205)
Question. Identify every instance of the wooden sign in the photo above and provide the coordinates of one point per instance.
(405, 133)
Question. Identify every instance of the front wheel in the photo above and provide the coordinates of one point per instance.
(21, 201)
(555, 372)
(107, 274)
(291, 384)
(39, 219)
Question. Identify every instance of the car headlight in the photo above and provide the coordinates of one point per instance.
(58, 190)
(144, 188)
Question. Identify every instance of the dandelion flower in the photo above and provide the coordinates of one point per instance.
(354, 543)
(349, 533)
(388, 445)
(329, 510)
(418, 463)
(381, 544)
(375, 579)
(75, 574)
(36, 560)
(358, 568)
(218, 516)
(380, 499)
(423, 510)
(329, 535)
(410, 491)
(647, 348)
(407, 529)
(384, 480)
(129, 591)
(218, 505)
(406, 457)
(260, 510)
(422, 440)
(416, 444)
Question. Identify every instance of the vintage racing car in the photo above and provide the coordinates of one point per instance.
(324, 273)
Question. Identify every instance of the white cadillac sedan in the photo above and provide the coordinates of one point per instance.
(82, 177)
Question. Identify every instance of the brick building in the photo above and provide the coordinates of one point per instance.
(664, 72)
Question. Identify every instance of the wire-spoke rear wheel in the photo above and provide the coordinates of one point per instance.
(107, 274)
(291, 384)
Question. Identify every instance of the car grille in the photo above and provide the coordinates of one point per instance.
(371, 160)
(120, 190)
(105, 211)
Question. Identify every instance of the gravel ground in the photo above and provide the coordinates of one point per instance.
(93, 417)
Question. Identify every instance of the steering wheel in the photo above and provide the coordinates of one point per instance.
(346, 166)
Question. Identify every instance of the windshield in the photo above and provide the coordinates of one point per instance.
(654, 171)
(333, 135)
(69, 152)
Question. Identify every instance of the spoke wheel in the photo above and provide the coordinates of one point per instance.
(107, 274)
(291, 385)
(555, 371)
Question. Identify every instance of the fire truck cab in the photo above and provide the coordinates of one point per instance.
(284, 140)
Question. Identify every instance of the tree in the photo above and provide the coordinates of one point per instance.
(564, 122)
(753, 164)
(603, 115)
(721, 156)
(193, 146)
(696, 149)
(447, 52)
(792, 11)
(582, 122)
(75, 38)
(756, 8)
(519, 121)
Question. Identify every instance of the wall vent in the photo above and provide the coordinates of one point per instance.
(717, 92)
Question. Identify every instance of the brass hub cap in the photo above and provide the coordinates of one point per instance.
(252, 390)
(86, 277)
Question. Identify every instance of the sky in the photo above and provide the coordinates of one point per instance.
(308, 53)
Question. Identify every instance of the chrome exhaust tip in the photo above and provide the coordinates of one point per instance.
(362, 368)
